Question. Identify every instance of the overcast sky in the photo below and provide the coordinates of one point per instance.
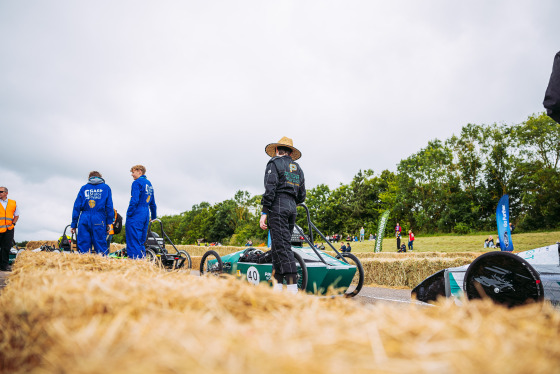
(195, 90)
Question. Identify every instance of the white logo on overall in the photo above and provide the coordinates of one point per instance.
(253, 275)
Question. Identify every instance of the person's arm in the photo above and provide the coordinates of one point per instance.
(135, 192)
(552, 96)
(301, 192)
(109, 211)
(270, 184)
(16, 215)
(77, 209)
(153, 206)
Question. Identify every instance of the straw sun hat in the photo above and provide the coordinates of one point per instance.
(284, 142)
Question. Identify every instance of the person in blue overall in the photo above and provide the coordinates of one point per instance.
(142, 203)
(93, 214)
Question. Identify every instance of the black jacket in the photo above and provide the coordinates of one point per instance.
(552, 96)
(282, 176)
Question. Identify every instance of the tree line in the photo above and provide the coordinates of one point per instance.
(449, 186)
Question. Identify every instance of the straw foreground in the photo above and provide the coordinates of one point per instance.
(87, 314)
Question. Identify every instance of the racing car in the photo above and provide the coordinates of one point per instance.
(318, 272)
(510, 279)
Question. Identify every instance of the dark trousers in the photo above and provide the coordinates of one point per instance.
(6, 240)
(281, 220)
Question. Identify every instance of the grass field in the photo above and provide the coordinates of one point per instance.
(459, 243)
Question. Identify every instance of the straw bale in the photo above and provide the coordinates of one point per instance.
(196, 262)
(395, 255)
(115, 247)
(406, 272)
(64, 315)
(195, 250)
(34, 244)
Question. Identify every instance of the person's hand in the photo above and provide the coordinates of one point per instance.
(73, 231)
(262, 223)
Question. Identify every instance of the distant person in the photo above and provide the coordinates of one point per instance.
(362, 234)
(370, 236)
(398, 229)
(398, 241)
(342, 248)
(552, 95)
(9, 215)
(491, 242)
(142, 204)
(511, 227)
(348, 248)
(410, 240)
(486, 243)
(249, 243)
(114, 228)
(93, 215)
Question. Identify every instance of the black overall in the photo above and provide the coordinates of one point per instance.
(284, 188)
(552, 95)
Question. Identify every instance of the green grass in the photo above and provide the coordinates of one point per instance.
(459, 243)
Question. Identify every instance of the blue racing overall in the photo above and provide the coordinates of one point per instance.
(93, 211)
(142, 203)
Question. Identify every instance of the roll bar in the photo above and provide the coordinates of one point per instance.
(162, 233)
(309, 239)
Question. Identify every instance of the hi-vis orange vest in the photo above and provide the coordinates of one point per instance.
(7, 216)
(112, 232)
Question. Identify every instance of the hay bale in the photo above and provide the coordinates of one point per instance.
(88, 314)
(396, 255)
(196, 262)
(115, 247)
(195, 250)
(34, 244)
(406, 272)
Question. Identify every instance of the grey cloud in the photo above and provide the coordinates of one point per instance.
(195, 91)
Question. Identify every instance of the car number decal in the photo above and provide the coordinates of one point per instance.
(253, 275)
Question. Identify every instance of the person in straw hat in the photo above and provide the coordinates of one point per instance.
(284, 185)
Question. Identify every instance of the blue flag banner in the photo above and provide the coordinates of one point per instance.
(502, 219)
(381, 230)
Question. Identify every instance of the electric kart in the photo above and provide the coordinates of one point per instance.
(65, 243)
(157, 253)
(510, 279)
(317, 271)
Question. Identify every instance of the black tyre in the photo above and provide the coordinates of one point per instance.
(358, 280)
(503, 277)
(186, 259)
(211, 263)
(153, 258)
(302, 272)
